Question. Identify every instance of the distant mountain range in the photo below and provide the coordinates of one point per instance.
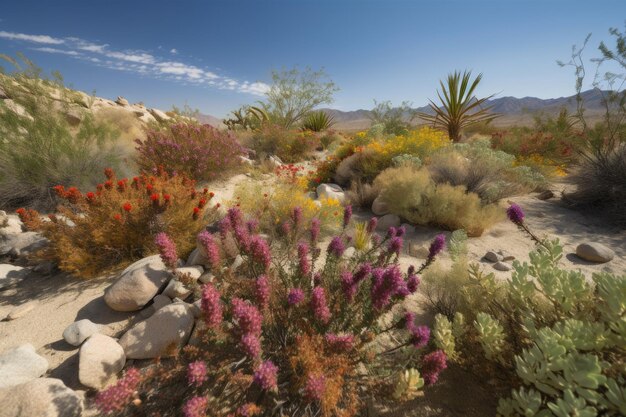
(513, 110)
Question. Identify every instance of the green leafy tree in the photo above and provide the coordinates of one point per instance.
(459, 107)
(294, 93)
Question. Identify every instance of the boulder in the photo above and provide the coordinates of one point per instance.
(22, 244)
(11, 275)
(121, 101)
(22, 310)
(379, 207)
(190, 272)
(137, 284)
(4, 218)
(246, 161)
(545, 195)
(595, 252)
(19, 365)
(73, 116)
(3, 94)
(506, 256)
(17, 109)
(163, 334)
(176, 289)
(159, 115)
(206, 278)
(159, 301)
(77, 332)
(9, 226)
(275, 161)
(99, 360)
(147, 118)
(331, 191)
(418, 251)
(43, 397)
(197, 257)
(387, 221)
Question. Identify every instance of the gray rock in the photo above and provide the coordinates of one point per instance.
(99, 360)
(206, 277)
(77, 332)
(73, 116)
(190, 272)
(275, 161)
(246, 161)
(506, 256)
(502, 266)
(492, 256)
(418, 251)
(45, 267)
(19, 365)
(43, 397)
(197, 257)
(11, 275)
(379, 207)
(121, 101)
(176, 289)
(163, 334)
(137, 284)
(9, 226)
(387, 221)
(331, 191)
(159, 115)
(159, 301)
(545, 195)
(22, 310)
(18, 109)
(236, 263)
(595, 252)
(22, 244)
(196, 308)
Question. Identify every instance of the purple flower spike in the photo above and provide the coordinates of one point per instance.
(297, 216)
(315, 229)
(167, 249)
(265, 375)
(371, 225)
(432, 365)
(295, 296)
(395, 245)
(319, 305)
(336, 247)
(195, 407)
(437, 245)
(515, 214)
(196, 373)
(303, 258)
(347, 215)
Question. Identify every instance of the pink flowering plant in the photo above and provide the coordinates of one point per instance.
(294, 329)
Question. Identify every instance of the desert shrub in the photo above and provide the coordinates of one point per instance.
(273, 206)
(128, 127)
(394, 120)
(330, 140)
(491, 174)
(362, 194)
(40, 148)
(288, 145)
(317, 121)
(325, 170)
(552, 335)
(601, 184)
(377, 155)
(413, 195)
(117, 223)
(288, 336)
(196, 151)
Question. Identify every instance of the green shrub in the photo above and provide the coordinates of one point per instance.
(288, 145)
(318, 121)
(413, 195)
(491, 174)
(40, 148)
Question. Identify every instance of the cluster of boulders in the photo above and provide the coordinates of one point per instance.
(501, 260)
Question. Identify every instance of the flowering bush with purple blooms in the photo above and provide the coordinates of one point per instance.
(196, 151)
(287, 334)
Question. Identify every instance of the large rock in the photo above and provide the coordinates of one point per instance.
(121, 101)
(387, 221)
(137, 284)
(176, 289)
(19, 365)
(379, 207)
(197, 257)
(22, 244)
(159, 115)
(43, 397)
(595, 252)
(190, 272)
(73, 116)
(17, 109)
(11, 275)
(163, 334)
(99, 360)
(331, 191)
(77, 332)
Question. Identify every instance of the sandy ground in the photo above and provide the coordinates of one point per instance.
(63, 300)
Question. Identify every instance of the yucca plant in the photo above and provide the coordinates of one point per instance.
(317, 121)
(459, 108)
(246, 117)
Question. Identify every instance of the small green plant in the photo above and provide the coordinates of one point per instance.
(318, 121)
(393, 120)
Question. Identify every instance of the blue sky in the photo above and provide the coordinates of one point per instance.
(218, 55)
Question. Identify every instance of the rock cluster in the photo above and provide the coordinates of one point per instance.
(500, 260)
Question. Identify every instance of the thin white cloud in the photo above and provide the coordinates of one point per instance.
(138, 62)
(56, 51)
(31, 38)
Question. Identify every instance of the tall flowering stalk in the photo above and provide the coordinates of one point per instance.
(285, 336)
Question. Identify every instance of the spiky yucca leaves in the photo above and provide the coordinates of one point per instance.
(246, 118)
(459, 108)
(318, 121)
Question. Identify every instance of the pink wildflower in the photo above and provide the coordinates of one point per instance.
(303, 258)
(195, 407)
(340, 342)
(315, 229)
(437, 245)
(295, 296)
(297, 217)
(315, 387)
(196, 373)
(260, 251)
(319, 306)
(266, 376)
(167, 249)
(347, 215)
(211, 249)
(211, 305)
(262, 291)
(116, 397)
(432, 365)
(336, 247)
(371, 225)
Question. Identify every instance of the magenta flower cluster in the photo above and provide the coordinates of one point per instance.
(266, 376)
(319, 305)
(347, 215)
(260, 251)
(196, 373)
(117, 396)
(336, 247)
(297, 217)
(515, 214)
(432, 365)
(437, 246)
(340, 342)
(420, 335)
(387, 283)
(314, 387)
(303, 258)
(262, 291)
(295, 296)
(211, 305)
(249, 321)
(211, 248)
(196, 407)
(167, 249)
(371, 224)
(315, 229)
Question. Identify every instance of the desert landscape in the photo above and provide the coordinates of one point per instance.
(464, 256)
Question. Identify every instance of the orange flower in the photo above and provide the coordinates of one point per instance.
(127, 206)
(118, 217)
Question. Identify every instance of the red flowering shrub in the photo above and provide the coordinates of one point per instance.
(196, 151)
(285, 335)
(118, 222)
